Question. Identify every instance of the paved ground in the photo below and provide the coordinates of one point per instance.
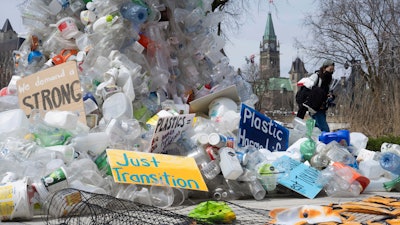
(270, 202)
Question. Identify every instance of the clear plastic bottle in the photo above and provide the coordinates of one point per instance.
(338, 153)
(136, 14)
(257, 189)
(319, 161)
(210, 169)
(390, 162)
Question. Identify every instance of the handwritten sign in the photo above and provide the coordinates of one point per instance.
(55, 88)
(256, 129)
(301, 179)
(168, 130)
(155, 169)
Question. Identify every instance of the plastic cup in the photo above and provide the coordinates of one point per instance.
(199, 155)
(256, 189)
(14, 201)
(56, 180)
(211, 169)
(127, 191)
(162, 196)
(180, 196)
(143, 196)
(77, 184)
(67, 27)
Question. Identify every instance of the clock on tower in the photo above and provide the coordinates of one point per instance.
(272, 46)
(266, 46)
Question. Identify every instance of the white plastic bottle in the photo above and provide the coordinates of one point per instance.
(230, 164)
(390, 147)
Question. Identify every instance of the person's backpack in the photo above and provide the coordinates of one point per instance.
(303, 93)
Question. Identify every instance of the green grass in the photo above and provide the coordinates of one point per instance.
(374, 144)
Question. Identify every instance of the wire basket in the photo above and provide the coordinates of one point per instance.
(72, 206)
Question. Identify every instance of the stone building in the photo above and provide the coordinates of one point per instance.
(297, 71)
(9, 41)
(280, 91)
(277, 92)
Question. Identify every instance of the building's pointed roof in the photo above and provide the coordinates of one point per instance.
(7, 26)
(269, 33)
(298, 67)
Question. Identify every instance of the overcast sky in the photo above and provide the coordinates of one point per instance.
(287, 16)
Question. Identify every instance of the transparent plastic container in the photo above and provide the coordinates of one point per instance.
(211, 169)
(390, 162)
(230, 164)
(256, 189)
(117, 106)
(13, 123)
(162, 196)
(338, 153)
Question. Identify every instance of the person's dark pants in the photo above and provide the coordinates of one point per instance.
(320, 120)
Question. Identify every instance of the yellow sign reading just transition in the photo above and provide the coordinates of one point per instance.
(155, 169)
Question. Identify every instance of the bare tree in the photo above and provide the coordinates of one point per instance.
(364, 33)
(251, 74)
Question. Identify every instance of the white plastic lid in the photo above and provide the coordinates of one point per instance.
(202, 139)
(213, 139)
(90, 6)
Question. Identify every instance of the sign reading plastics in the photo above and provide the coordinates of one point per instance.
(55, 88)
(155, 169)
(256, 129)
(168, 130)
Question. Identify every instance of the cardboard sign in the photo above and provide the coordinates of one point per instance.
(168, 130)
(55, 88)
(301, 179)
(256, 129)
(155, 169)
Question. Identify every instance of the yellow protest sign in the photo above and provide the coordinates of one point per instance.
(155, 169)
(58, 88)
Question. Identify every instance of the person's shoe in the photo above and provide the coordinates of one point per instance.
(311, 110)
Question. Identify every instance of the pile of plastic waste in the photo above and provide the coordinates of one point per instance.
(139, 61)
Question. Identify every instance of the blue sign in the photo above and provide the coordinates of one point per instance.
(298, 176)
(258, 130)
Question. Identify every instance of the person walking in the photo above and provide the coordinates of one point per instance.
(315, 93)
